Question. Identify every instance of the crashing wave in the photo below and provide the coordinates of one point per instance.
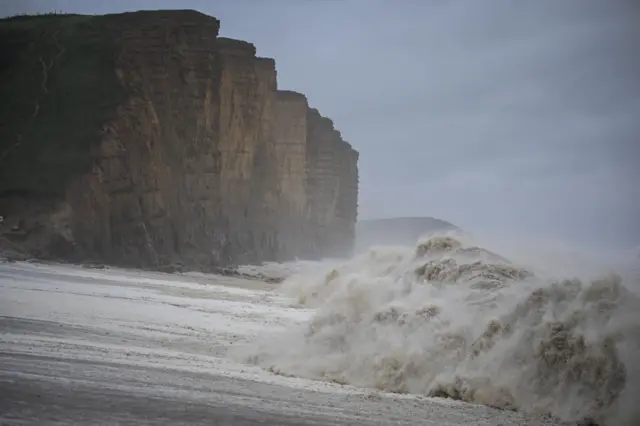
(450, 320)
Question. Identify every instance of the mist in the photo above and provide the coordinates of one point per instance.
(497, 251)
(497, 116)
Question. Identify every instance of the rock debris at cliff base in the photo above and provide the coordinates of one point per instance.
(146, 140)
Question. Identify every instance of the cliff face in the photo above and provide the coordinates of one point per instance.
(331, 177)
(290, 152)
(247, 98)
(152, 194)
(169, 145)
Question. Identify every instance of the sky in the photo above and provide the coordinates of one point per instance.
(514, 117)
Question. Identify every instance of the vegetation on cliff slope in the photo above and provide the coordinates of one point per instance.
(57, 85)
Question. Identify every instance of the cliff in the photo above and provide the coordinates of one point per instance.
(332, 186)
(144, 139)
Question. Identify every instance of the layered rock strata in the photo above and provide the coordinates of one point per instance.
(144, 139)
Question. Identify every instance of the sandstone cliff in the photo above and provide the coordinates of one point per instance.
(144, 139)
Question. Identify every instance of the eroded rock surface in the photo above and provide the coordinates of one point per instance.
(143, 139)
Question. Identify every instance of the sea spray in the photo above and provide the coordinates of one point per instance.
(450, 319)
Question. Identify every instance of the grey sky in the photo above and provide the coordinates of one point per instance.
(518, 116)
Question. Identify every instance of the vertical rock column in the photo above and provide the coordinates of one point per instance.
(322, 182)
(291, 162)
(347, 206)
(247, 185)
(266, 205)
(353, 183)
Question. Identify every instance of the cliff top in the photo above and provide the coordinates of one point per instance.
(42, 17)
(182, 16)
(231, 46)
(315, 115)
(290, 95)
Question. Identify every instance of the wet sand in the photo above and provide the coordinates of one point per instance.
(83, 346)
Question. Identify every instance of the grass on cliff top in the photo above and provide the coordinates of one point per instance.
(58, 87)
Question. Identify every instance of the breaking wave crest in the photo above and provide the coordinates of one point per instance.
(447, 319)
